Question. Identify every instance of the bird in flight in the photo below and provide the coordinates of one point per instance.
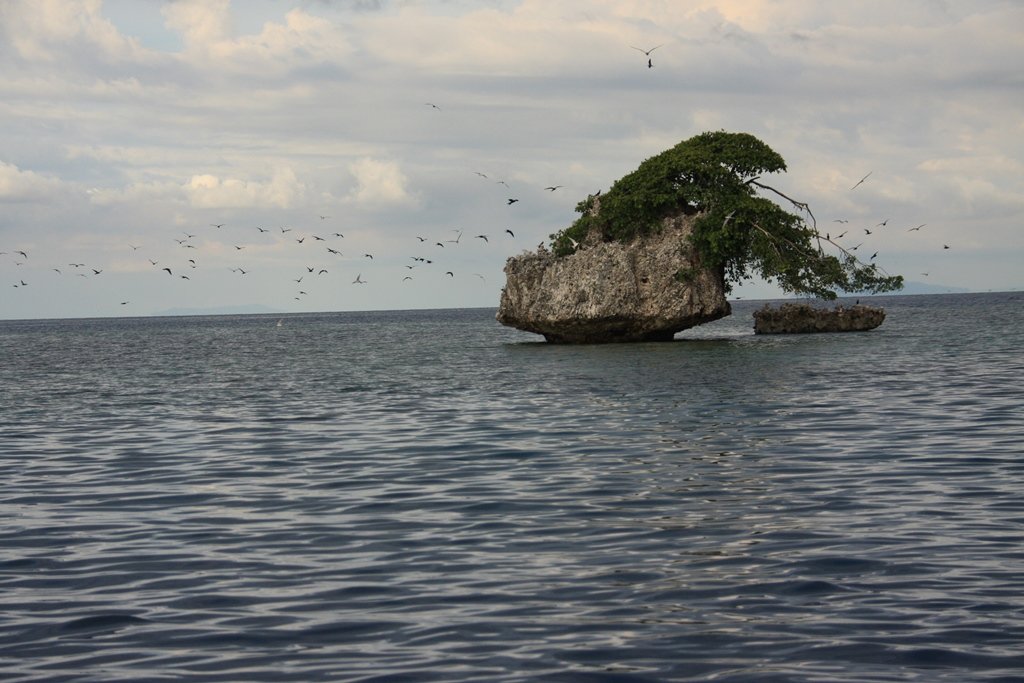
(262, 229)
(647, 53)
(861, 180)
(369, 256)
(945, 246)
(217, 225)
(840, 220)
(552, 188)
(359, 280)
(450, 273)
(510, 232)
(917, 228)
(456, 240)
(883, 223)
(512, 201)
(867, 232)
(421, 239)
(168, 271)
(482, 237)
(431, 104)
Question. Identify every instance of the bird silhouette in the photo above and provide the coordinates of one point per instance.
(510, 232)
(861, 181)
(917, 228)
(647, 53)
(512, 201)
(359, 280)
(168, 271)
(482, 237)
(552, 188)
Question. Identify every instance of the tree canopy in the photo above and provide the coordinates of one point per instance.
(716, 176)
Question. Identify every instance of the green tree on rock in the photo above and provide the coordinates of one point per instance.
(716, 176)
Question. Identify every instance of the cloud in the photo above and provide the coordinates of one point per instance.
(50, 30)
(301, 40)
(26, 186)
(378, 182)
(211, 192)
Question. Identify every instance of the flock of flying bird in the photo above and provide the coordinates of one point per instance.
(867, 231)
(324, 261)
(183, 268)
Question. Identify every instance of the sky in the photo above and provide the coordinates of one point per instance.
(274, 151)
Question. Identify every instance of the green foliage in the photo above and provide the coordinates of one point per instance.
(716, 174)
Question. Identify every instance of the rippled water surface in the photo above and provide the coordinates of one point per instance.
(428, 496)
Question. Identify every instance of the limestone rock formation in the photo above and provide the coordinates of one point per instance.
(803, 318)
(644, 290)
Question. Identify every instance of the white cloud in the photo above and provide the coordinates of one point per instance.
(211, 192)
(205, 26)
(25, 186)
(378, 182)
(47, 30)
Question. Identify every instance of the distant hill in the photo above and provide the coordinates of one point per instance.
(248, 309)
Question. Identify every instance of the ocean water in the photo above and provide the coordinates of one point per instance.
(429, 496)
